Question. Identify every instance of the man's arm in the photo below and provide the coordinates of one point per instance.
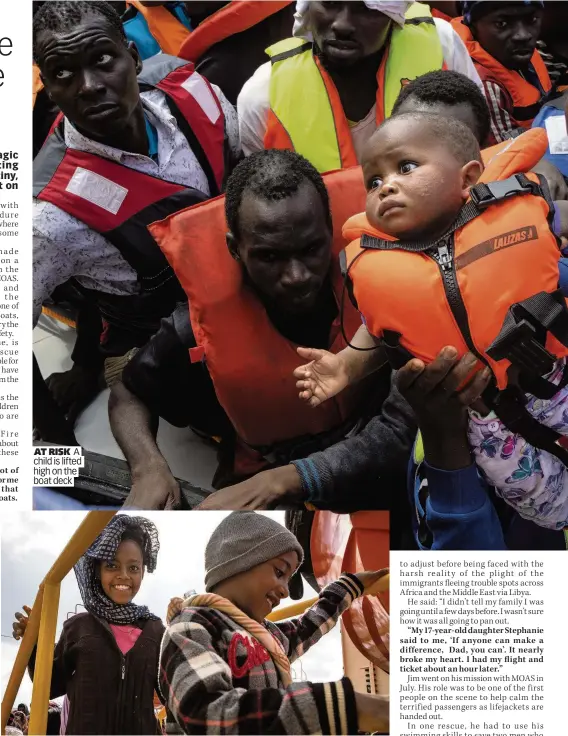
(355, 474)
(135, 428)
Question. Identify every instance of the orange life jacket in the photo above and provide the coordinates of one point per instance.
(233, 18)
(164, 27)
(485, 287)
(527, 99)
(249, 361)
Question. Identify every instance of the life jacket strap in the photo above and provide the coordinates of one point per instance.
(485, 195)
(509, 405)
(397, 355)
(522, 337)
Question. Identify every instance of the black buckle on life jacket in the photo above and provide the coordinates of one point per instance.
(520, 345)
(484, 195)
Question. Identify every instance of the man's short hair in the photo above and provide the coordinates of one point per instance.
(452, 132)
(449, 88)
(62, 15)
(271, 175)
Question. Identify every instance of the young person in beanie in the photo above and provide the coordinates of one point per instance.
(224, 668)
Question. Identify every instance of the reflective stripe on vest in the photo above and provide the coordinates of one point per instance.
(234, 17)
(306, 113)
(527, 99)
(165, 28)
(249, 361)
(511, 236)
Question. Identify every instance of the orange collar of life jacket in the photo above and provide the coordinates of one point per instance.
(233, 18)
(526, 98)
(164, 27)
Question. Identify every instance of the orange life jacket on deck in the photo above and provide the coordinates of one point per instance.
(249, 361)
(527, 99)
(169, 33)
(489, 286)
(234, 17)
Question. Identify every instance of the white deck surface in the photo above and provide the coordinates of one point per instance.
(188, 456)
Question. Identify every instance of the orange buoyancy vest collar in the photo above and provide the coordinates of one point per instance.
(250, 362)
(464, 289)
(234, 17)
(168, 31)
(527, 99)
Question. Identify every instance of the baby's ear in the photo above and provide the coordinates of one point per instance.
(470, 174)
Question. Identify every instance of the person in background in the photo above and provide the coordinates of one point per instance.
(553, 44)
(106, 660)
(553, 117)
(209, 683)
(156, 26)
(501, 38)
(156, 147)
(325, 91)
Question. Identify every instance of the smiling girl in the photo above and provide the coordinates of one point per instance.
(106, 660)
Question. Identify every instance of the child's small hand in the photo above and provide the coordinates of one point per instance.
(322, 378)
(374, 582)
(174, 607)
(21, 623)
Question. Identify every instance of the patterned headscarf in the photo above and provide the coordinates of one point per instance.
(394, 9)
(104, 548)
(476, 9)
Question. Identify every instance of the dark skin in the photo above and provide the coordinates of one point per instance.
(284, 247)
(350, 38)
(90, 73)
(510, 34)
(440, 394)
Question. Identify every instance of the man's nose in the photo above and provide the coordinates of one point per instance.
(296, 274)
(90, 84)
(522, 33)
(342, 25)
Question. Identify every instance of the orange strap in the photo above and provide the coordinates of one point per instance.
(164, 27)
(233, 18)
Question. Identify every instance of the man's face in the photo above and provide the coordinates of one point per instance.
(285, 247)
(510, 34)
(406, 170)
(91, 75)
(347, 32)
(259, 590)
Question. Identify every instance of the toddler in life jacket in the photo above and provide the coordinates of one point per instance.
(438, 259)
(225, 668)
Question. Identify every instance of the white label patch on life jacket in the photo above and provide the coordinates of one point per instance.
(97, 189)
(198, 89)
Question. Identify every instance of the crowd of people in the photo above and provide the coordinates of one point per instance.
(218, 664)
(330, 130)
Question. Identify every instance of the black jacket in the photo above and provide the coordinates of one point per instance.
(109, 693)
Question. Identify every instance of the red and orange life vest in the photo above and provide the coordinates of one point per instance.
(249, 361)
(482, 288)
(234, 17)
(527, 99)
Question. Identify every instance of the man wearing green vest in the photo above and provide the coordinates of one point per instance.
(325, 90)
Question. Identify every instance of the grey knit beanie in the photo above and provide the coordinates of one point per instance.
(243, 540)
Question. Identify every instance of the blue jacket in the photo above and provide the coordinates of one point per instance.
(553, 109)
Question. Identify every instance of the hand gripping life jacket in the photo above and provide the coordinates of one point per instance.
(489, 285)
(527, 99)
(119, 202)
(168, 32)
(306, 114)
(249, 361)
(234, 17)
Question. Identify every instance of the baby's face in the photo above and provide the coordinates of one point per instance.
(414, 184)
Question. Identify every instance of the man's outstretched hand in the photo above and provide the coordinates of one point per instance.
(266, 490)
